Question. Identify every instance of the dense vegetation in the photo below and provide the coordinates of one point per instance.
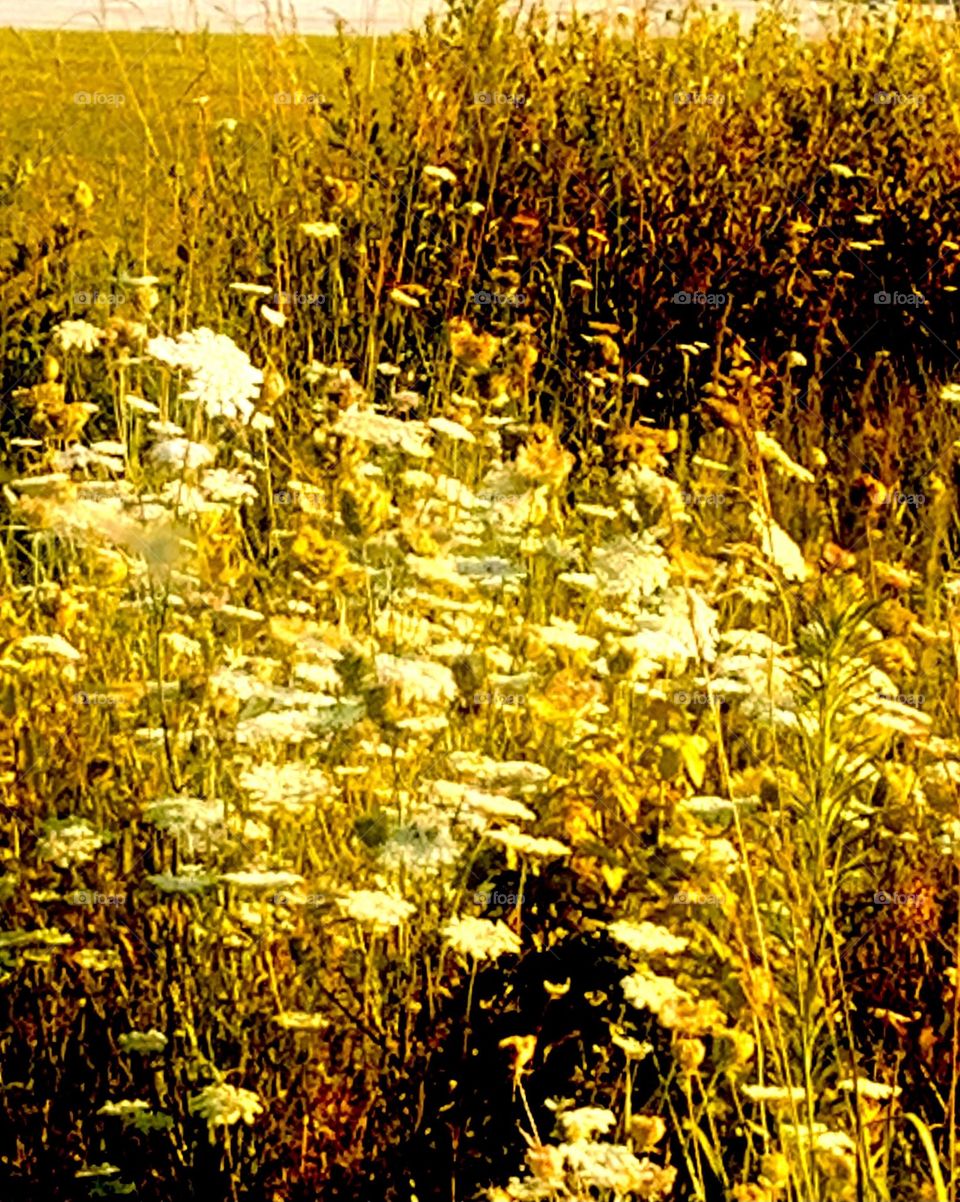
(479, 649)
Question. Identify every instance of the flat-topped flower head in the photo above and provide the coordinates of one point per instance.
(143, 1042)
(223, 1105)
(79, 336)
(70, 841)
(535, 848)
(221, 378)
(584, 1122)
(875, 1091)
(774, 1093)
(647, 938)
(180, 453)
(375, 908)
(481, 938)
(366, 425)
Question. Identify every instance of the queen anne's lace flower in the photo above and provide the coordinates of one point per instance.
(375, 909)
(180, 453)
(773, 1093)
(647, 939)
(221, 377)
(51, 645)
(473, 803)
(221, 484)
(876, 1091)
(564, 636)
(584, 1122)
(481, 938)
(780, 548)
(284, 787)
(529, 845)
(71, 841)
(180, 814)
(223, 1105)
(492, 570)
(366, 425)
(191, 879)
(521, 775)
(143, 1041)
(277, 726)
(416, 680)
(78, 457)
(604, 1166)
(77, 336)
(422, 847)
(454, 430)
(648, 991)
(581, 1166)
(631, 568)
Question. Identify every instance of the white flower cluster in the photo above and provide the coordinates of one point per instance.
(416, 680)
(191, 879)
(185, 814)
(584, 1122)
(366, 425)
(71, 841)
(631, 569)
(77, 336)
(583, 1165)
(223, 1105)
(143, 1041)
(376, 909)
(180, 453)
(481, 938)
(421, 847)
(289, 787)
(780, 548)
(222, 378)
(647, 938)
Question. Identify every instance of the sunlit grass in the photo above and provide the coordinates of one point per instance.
(478, 655)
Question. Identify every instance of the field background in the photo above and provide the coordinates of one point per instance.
(522, 761)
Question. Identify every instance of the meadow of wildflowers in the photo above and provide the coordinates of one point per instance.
(480, 614)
